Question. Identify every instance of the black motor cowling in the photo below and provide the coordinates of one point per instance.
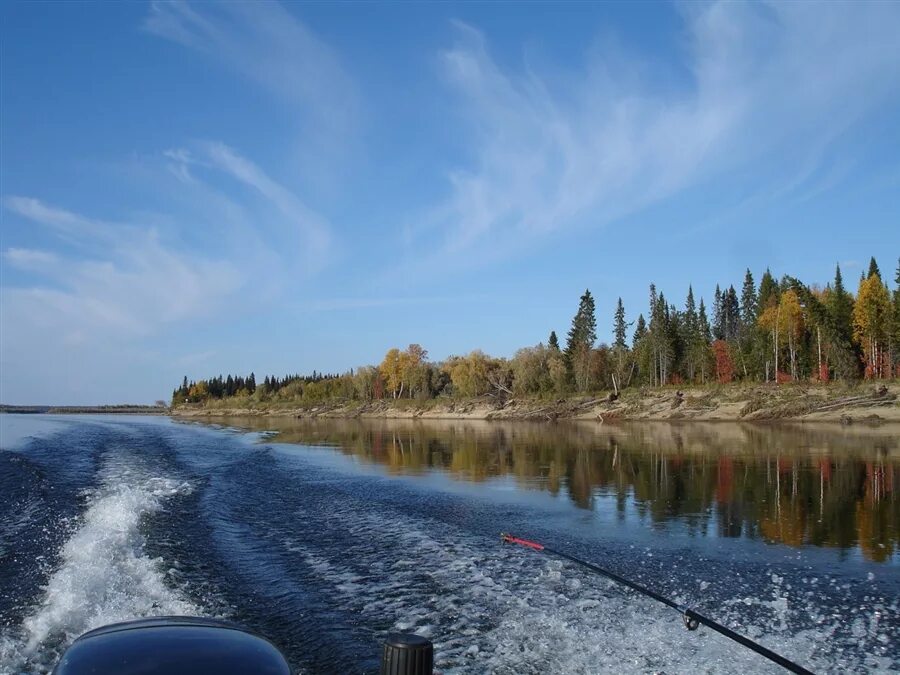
(175, 645)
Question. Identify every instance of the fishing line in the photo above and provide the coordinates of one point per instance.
(691, 618)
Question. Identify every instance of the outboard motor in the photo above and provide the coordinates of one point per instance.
(175, 645)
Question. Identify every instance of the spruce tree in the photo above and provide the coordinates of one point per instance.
(691, 334)
(840, 308)
(748, 300)
(553, 342)
(580, 342)
(583, 332)
(768, 293)
(690, 310)
(730, 313)
(619, 327)
(705, 331)
(640, 331)
(718, 315)
(873, 269)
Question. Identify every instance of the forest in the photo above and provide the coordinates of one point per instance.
(777, 331)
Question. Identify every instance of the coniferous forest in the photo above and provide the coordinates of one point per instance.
(772, 330)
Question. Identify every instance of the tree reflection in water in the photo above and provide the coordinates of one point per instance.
(799, 485)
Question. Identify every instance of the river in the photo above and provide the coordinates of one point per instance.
(333, 533)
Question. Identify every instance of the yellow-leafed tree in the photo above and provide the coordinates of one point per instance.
(871, 319)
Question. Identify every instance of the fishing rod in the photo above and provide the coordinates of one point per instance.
(691, 618)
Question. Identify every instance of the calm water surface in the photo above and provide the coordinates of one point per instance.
(332, 533)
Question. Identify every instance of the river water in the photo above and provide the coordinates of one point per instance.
(331, 534)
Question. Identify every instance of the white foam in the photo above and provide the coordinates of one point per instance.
(104, 575)
(503, 610)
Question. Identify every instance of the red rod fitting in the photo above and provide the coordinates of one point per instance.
(509, 539)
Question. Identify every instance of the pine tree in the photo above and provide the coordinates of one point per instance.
(251, 383)
(619, 327)
(553, 342)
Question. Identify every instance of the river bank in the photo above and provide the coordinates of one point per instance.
(803, 402)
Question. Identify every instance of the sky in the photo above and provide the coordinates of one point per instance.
(195, 189)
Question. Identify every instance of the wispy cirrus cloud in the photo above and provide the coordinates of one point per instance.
(268, 45)
(128, 279)
(556, 153)
(123, 281)
(297, 230)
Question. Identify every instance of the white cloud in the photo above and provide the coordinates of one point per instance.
(267, 44)
(312, 226)
(128, 280)
(128, 285)
(233, 240)
(30, 259)
(770, 87)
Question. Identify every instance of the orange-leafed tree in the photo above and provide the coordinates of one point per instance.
(724, 363)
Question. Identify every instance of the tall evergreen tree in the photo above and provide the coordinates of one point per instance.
(553, 342)
(840, 307)
(583, 332)
(661, 338)
(873, 269)
(748, 300)
(580, 344)
(705, 331)
(690, 337)
(768, 293)
(718, 315)
(640, 331)
(619, 327)
(690, 309)
(731, 312)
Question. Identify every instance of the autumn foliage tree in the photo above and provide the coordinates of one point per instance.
(871, 321)
(823, 333)
(724, 363)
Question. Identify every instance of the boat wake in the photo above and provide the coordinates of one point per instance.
(103, 575)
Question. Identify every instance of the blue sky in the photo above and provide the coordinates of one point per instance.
(210, 188)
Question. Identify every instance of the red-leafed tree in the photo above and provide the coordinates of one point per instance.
(724, 363)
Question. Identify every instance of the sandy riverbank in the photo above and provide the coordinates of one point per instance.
(804, 402)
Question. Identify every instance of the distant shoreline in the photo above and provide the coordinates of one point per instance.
(83, 409)
(863, 403)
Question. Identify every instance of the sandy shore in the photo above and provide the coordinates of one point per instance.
(803, 402)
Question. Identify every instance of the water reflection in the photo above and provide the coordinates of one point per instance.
(799, 485)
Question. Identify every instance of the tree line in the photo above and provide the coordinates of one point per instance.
(775, 331)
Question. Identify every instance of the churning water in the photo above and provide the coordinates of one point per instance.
(363, 529)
